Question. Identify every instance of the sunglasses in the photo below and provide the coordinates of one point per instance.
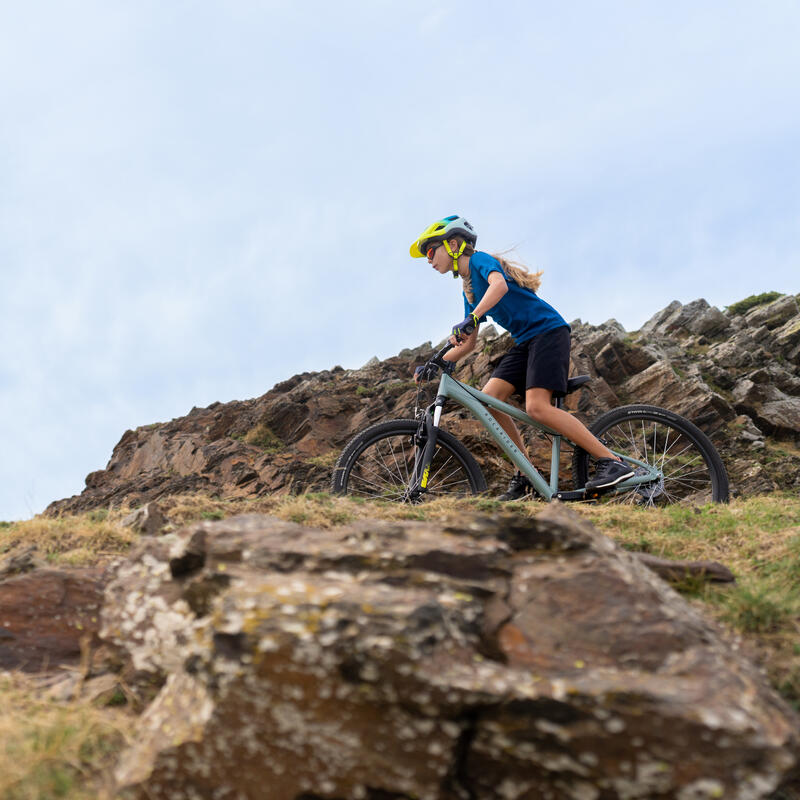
(431, 250)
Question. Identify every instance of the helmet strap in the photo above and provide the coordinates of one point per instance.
(455, 256)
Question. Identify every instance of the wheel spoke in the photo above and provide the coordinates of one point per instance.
(383, 460)
(381, 486)
(380, 466)
(379, 478)
(433, 476)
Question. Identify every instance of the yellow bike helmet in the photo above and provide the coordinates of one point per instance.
(441, 231)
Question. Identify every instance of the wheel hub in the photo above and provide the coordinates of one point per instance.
(650, 491)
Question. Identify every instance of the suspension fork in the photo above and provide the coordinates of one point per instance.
(423, 456)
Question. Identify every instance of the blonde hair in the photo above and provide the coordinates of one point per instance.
(514, 270)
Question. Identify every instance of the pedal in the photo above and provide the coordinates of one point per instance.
(568, 496)
(579, 496)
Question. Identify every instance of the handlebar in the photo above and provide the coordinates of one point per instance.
(437, 358)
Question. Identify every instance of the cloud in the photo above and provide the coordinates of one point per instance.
(433, 21)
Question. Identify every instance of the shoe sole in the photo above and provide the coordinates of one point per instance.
(611, 483)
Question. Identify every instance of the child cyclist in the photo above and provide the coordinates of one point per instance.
(538, 364)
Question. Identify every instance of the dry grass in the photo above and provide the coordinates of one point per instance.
(51, 749)
(78, 540)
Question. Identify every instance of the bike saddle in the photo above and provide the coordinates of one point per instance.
(577, 382)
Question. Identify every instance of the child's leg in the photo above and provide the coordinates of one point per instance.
(502, 390)
(538, 406)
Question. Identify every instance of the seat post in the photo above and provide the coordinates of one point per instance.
(572, 385)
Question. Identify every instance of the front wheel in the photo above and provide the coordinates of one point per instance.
(692, 473)
(380, 461)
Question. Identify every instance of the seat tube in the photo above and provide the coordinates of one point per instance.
(555, 461)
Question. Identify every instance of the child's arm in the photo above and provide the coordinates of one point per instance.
(464, 349)
(493, 295)
(465, 345)
(459, 351)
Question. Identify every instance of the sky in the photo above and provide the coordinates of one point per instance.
(200, 199)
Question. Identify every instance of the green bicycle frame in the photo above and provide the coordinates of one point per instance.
(476, 402)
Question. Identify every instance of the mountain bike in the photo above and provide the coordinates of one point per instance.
(407, 460)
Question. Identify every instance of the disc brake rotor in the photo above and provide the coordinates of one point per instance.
(649, 491)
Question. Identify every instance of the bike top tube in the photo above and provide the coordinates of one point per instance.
(500, 405)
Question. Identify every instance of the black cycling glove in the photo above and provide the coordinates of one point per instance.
(426, 372)
(465, 327)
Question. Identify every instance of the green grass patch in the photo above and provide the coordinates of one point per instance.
(326, 460)
(752, 301)
(761, 606)
(262, 436)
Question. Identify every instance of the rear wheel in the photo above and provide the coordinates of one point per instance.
(379, 463)
(692, 471)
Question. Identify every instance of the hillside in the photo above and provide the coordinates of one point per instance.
(734, 373)
(204, 620)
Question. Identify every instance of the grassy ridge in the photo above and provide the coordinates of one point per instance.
(52, 749)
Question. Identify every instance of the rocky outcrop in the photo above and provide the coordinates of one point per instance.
(492, 658)
(47, 616)
(734, 375)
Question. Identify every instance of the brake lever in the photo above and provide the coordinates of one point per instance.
(437, 359)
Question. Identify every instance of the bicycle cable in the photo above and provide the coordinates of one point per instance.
(419, 412)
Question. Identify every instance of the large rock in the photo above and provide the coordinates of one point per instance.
(46, 614)
(490, 658)
(697, 317)
(773, 411)
(787, 340)
(688, 396)
(774, 314)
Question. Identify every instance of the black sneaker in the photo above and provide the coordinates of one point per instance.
(519, 487)
(609, 472)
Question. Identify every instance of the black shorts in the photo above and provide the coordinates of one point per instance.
(539, 363)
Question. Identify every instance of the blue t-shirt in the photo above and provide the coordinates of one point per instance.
(520, 311)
